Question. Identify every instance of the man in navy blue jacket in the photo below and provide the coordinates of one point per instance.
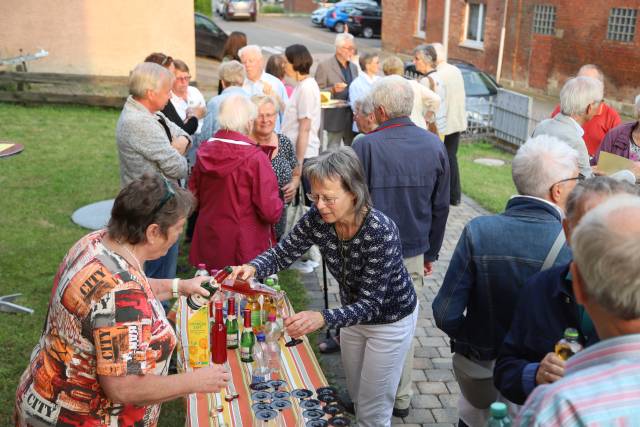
(407, 171)
(547, 306)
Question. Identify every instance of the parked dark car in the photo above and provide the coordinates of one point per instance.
(210, 38)
(365, 21)
(480, 91)
(338, 15)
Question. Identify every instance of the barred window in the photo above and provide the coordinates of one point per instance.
(544, 19)
(622, 24)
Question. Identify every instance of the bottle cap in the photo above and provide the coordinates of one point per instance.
(202, 266)
(271, 317)
(269, 281)
(571, 333)
(231, 306)
(260, 337)
(498, 410)
(218, 304)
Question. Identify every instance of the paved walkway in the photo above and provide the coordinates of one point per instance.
(435, 398)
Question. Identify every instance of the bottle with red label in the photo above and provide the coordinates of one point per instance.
(219, 336)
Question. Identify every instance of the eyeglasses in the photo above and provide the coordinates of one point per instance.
(184, 78)
(329, 201)
(580, 177)
(169, 193)
(266, 116)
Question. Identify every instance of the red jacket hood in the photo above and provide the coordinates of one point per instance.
(226, 151)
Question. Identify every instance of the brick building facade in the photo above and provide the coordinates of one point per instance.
(546, 40)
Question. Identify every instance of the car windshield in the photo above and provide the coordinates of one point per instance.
(477, 84)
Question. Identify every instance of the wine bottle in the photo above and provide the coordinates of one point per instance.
(247, 340)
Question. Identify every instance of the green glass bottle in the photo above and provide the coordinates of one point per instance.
(248, 339)
(232, 324)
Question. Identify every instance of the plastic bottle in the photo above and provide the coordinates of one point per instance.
(273, 346)
(260, 361)
(254, 306)
(569, 345)
(269, 302)
(498, 415)
(247, 340)
(201, 271)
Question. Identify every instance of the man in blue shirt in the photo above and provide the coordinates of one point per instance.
(601, 384)
(407, 171)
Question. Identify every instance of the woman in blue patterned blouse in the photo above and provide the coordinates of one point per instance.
(363, 252)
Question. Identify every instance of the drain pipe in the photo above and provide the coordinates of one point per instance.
(445, 28)
(502, 35)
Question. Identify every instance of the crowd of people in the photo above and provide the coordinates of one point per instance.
(379, 173)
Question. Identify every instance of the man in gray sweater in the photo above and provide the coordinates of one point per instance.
(149, 142)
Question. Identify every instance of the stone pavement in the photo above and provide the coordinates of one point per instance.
(435, 398)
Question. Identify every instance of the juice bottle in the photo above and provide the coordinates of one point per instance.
(569, 345)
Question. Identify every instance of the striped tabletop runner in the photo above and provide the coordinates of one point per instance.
(299, 368)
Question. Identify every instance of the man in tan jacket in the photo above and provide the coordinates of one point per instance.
(451, 78)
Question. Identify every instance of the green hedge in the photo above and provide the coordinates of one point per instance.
(203, 6)
(272, 8)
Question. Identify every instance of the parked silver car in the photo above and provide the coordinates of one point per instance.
(240, 9)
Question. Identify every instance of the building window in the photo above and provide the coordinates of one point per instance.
(622, 24)
(475, 25)
(544, 19)
(422, 19)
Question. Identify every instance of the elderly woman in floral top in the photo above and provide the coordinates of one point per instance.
(363, 252)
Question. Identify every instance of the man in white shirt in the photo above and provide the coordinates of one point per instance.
(580, 100)
(451, 78)
(259, 82)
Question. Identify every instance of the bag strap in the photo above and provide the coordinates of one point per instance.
(554, 251)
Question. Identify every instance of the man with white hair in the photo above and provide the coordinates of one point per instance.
(605, 119)
(148, 142)
(494, 257)
(580, 99)
(236, 189)
(456, 121)
(335, 75)
(407, 172)
(601, 383)
(258, 81)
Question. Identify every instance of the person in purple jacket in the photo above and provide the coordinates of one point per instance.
(624, 140)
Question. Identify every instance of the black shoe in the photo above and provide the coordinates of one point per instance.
(401, 413)
(347, 404)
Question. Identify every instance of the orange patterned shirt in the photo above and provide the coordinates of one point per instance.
(103, 320)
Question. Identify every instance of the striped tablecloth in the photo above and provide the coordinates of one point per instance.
(299, 368)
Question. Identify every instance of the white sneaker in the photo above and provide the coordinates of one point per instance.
(301, 267)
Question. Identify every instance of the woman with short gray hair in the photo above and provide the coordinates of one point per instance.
(236, 190)
(363, 252)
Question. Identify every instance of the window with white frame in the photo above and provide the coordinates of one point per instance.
(544, 19)
(421, 25)
(622, 24)
(474, 29)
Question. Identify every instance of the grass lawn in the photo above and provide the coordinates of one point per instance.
(490, 186)
(70, 160)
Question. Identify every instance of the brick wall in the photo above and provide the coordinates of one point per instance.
(300, 6)
(530, 60)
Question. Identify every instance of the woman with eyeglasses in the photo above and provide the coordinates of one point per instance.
(190, 124)
(283, 155)
(363, 252)
(103, 356)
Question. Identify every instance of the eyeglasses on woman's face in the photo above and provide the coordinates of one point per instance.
(329, 201)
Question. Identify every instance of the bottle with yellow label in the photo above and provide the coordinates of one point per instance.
(198, 338)
(569, 345)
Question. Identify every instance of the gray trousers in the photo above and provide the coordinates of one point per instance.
(334, 139)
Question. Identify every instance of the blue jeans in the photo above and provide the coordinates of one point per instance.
(165, 266)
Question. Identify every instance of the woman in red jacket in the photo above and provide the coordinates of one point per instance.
(236, 190)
